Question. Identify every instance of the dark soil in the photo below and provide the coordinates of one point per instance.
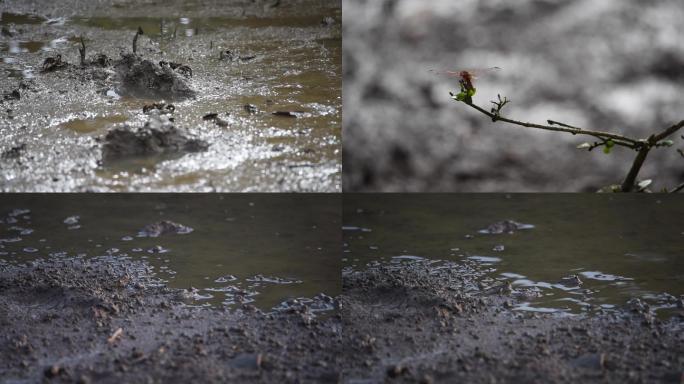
(108, 320)
(61, 322)
(159, 135)
(432, 323)
(143, 78)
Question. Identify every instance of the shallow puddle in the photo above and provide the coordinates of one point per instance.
(7, 18)
(263, 249)
(99, 123)
(620, 247)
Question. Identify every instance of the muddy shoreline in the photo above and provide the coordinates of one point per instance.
(62, 320)
(407, 322)
(428, 323)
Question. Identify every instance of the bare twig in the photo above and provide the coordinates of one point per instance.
(628, 184)
(115, 336)
(618, 139)
(667, 132)
(135, 39)
(650, 143)
(678, 188)
(643, 146)
(82, 51)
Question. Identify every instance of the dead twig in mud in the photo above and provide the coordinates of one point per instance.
(115, 336)
(135, 39)
(82, 51)
(607, 140)
(678, 188)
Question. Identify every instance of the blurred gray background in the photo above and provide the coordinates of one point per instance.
(611, 65)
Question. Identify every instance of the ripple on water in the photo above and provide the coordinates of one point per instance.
(485, 259)
(401, 258)
(595, 275)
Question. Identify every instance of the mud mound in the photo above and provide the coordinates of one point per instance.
(143, 78)
(157, 136)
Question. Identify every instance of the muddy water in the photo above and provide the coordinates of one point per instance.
(621, 247)
(267, 248)
(288, 59)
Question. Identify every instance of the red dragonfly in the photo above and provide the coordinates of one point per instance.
(466, 76)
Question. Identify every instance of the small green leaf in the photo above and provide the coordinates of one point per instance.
(471, 92)
(584, 146)
(665, 143)
(608, 146)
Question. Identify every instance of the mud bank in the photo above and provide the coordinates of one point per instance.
(432, 322)
(108, 320)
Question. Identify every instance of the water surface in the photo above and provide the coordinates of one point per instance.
(620, 246)
(267, 248)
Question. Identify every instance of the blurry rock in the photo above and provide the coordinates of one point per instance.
(247, 361)
(591, 361)
(251, 108)
(164, 227)
(571, 281)
(54, 63)
(506, 226)
(14, 152)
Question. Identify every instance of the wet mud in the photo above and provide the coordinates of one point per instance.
(416, 320)
(108, 320)
(72, 66)
(158, 136)
(421, 321)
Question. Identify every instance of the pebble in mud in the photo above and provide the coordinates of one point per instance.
(505, 226)
(251, 109)
(14, 152)
(54, 63)
(161, 107)
(571, 281)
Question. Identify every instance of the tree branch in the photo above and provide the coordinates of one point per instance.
(678, 188)
(628, 184)
(617, 139)
(669, 131)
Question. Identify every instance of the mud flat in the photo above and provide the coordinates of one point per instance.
(109, 320)
(268, 72)
(428, 322)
